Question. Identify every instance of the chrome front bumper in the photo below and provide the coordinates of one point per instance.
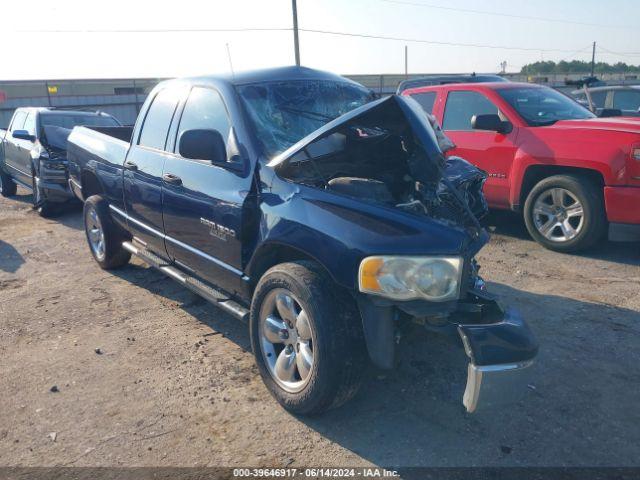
(500, 358)
(495, 385)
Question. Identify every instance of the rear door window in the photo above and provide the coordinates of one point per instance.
(462, 106)
(158, 119)
(426, 100)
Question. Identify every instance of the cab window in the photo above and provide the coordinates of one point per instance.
(426, 100)
(158, 119)
(626, 100)
(598, 98)
(30, 123)
(462, 106)
(18, 121)
(204, 110)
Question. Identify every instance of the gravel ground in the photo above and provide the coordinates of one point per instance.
(174, 383)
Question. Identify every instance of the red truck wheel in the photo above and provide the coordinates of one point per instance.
(566, 213)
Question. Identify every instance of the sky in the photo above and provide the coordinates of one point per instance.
(102, 39)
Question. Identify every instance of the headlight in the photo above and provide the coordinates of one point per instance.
(635, 154)
(436, 279)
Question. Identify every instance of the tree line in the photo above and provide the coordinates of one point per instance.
(577, 66)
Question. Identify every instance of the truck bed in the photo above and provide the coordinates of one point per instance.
(100, 152)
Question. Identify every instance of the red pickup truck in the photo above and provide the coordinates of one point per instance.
(574, 176)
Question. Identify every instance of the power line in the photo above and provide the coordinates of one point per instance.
(508, 15)
(157, 30)
(434, 42)
(624, 54)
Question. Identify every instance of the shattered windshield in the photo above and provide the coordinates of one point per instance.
(285, 112)
(543, 106)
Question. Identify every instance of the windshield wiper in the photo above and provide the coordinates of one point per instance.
(306, 113)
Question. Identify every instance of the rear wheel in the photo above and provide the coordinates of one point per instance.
(8, 187)
(566, 213)
(307, 338)
(103, 235)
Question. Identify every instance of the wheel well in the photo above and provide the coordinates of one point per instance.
(274, 254)
(536, 173)
(90, 185)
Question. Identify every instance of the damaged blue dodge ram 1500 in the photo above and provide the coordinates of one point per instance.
(328, 219)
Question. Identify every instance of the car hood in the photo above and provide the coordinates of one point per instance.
(612, 124)
(392, 105)
(55, 137)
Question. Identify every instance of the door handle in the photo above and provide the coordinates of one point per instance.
(129, 165)
(172, 179)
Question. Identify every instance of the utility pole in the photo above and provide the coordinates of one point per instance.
(503, 67)
(406, 62)
(593, 59)
(296, 43)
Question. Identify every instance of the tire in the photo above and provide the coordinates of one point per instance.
(8, 188)
(103, 235)
(562, 201)
(339, 357)
(39, 198)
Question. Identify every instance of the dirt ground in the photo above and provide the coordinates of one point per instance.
(175, 384)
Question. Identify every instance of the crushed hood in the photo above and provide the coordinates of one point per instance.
(392, 106)
(55, 137)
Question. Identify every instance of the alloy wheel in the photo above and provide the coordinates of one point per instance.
(558, 215)
(287, 340)
(95, 233)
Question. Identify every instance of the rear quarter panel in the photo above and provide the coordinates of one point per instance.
(93, 153)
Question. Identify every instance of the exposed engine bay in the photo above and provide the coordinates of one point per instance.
(376, 157)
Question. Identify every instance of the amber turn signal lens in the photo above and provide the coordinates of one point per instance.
(369, 269)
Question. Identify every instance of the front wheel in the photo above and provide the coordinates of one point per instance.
(566, 213)
(307, 339)
(39, 198)
(8, 188)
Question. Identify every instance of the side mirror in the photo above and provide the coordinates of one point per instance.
(203, 144)
(610, 112)
(23, 135)
(491, 122)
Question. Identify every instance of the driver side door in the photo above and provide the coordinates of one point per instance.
(204, 204)
(493, 152)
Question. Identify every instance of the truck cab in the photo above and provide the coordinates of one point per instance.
(574, 177)
(34, 153)
(326, 219)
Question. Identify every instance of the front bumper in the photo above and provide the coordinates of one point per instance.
(54, 181)
(622, 204)
(500, 356)
(499, 345)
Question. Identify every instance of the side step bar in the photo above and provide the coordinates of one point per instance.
(200, 288)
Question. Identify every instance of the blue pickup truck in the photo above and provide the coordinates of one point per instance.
(330, 221)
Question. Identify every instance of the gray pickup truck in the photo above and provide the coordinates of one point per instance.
(33, 153)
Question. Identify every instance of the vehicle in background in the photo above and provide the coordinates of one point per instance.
(331, 222)
(430, 80)
(625, 98)
(33, 153)
(574, 176)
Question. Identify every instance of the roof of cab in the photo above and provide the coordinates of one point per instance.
(270, 75)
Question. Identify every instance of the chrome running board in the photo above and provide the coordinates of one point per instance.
(210, 294)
